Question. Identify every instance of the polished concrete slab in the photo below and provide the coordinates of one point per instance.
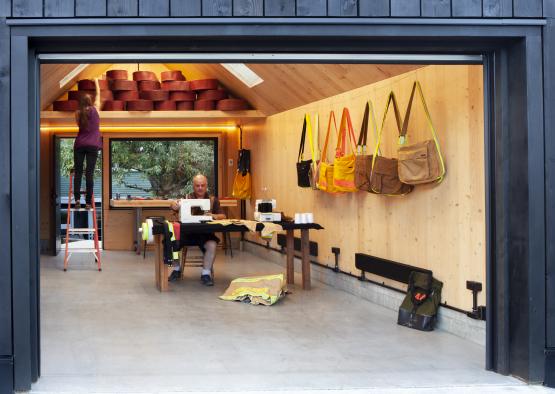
(113, 332)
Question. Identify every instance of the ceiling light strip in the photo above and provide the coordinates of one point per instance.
(140, 129)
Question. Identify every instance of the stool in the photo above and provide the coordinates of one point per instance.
(153, 218)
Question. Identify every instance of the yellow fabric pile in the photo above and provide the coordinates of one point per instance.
(265, 290)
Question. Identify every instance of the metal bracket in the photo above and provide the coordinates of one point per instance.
(478, 312)
(336, 252)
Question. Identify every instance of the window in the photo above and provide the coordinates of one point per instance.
(161, 168)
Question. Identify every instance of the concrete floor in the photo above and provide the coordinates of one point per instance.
(113, 332)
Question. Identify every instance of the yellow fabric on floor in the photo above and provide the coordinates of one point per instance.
(266, 289)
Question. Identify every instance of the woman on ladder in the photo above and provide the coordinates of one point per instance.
(87, 144)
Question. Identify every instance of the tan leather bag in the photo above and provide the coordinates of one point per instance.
(384, 178)
(363, 161)
(420, 162)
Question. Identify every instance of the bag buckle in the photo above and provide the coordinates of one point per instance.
(402, 140)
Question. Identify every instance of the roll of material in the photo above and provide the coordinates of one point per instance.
(176, 85)
(77, 94)
(144, 76)
(217, 94)
(120, 84)
(139, 105)
(155, 95)
(126, 95)
(166, 105)
(103, 84)
(232, 105)
(116, 74)
(66, 105)
(182, 96)
(185, 105)
(172, 76)
(86, 84)
(204, 84)
(148, 85)
(113, 105)
(205, 105)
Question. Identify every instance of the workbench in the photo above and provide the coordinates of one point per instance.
(161, 270)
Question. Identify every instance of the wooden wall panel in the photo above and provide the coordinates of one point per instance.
(27, 8)
(90, 8)
(154, 8)
(497, 8)
(439, 227)
(311, 8)
(373, 7)
(342, 8)
(279, 8)
(123, 7)
(528, 8)
(185, 7)
(467, 8)
(405, 7)
(216, 8)
(436, 8)
(248, 8)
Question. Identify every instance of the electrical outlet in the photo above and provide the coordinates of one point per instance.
(230, 162)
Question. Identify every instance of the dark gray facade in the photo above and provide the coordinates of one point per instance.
(517, 37)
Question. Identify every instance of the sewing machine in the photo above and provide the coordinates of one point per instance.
(186, 205)
(264, 211)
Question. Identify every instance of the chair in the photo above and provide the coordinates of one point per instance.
(191, 260)
(226, 203)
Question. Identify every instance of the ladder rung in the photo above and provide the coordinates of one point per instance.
(82, 209)
(81, 250)
(81, 230)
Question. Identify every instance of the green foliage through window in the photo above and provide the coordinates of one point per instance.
(161, 168)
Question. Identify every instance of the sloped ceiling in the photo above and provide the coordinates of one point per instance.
(285, 86)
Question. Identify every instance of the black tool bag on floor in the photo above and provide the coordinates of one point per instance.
(419, 308)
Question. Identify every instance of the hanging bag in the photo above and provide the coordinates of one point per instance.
(325, 171)
(344, 164)
(421, 162)
(315, 173)
(363, 161)
(304, 167)
(384, 177)
(242, 182)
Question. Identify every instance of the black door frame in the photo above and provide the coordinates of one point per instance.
(515, 173)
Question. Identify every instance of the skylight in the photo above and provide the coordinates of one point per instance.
(243, 73)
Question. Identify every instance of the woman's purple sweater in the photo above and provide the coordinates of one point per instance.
(89, 137)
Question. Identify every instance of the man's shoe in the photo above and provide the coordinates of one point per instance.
(77, 205)
(175, 275)
(206, 280)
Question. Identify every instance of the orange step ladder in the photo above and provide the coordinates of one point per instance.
(70, 230)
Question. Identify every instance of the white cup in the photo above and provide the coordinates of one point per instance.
(297, 218)
(310, 217)
(304, 218)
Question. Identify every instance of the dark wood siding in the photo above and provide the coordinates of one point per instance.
(312, 8)
(154, 7)
(279, 8)
(497, 8)
(528, 8)
(216, 8)
(27, 8)
(87, 8)
(5, 212)
(248, 7)
(59, 8)
(123, 8)
(405, 8)
(374, 8)
(436, 8)
(467, 8)
(185, 8)
(342, 8)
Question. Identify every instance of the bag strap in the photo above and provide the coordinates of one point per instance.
(325, 150)
(309, 132)
(404, 129)
(301, 147)
(390, 100)
(363, 136)
(345, 130)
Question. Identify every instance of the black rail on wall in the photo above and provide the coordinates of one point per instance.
(273, 8)
(313, 246)
(386, 268)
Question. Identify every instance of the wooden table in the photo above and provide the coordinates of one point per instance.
(161, 270)
(137, 206)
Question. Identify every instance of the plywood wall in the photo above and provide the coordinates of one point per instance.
(439, 227)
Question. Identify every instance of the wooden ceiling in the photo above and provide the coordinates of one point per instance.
(285, 86)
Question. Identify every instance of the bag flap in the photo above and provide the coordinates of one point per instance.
(415, 151)
(385, 166)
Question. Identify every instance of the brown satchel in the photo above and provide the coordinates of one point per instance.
(421, 162)
(363, 161)
(384, 178)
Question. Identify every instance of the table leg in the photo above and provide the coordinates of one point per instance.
(290, 247)
(160, 269)
(136, 238)
(305, 249)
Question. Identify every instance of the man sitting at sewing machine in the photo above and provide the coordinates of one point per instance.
(206, 242)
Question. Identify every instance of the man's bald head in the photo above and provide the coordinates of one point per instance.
(200, 185)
